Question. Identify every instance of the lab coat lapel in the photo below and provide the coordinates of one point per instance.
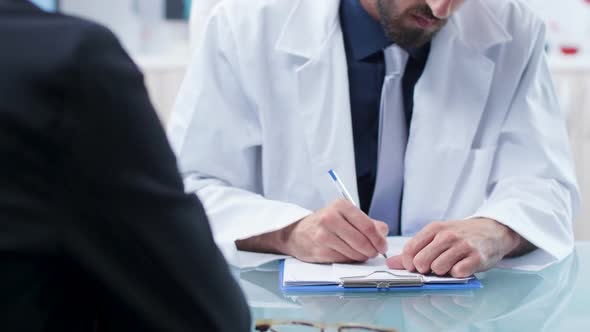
(313, 37)
(450, 99)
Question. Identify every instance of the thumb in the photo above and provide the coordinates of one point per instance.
(395, 263)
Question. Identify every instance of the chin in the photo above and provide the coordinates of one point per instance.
(411, 39)
(415, 37)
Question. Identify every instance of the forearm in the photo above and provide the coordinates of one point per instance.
(273, 242)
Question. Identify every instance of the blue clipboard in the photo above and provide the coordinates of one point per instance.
(470, 285)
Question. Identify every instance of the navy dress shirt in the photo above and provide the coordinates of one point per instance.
(364, 42)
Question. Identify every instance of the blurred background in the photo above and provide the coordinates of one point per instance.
(161, 34)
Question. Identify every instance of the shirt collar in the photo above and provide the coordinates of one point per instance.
(365, 36)
(362, 33)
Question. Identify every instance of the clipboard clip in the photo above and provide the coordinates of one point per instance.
(371, 281)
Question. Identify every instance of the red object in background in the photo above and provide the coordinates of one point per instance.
(570, 50)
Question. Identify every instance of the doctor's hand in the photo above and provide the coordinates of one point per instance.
(338, 233)
(459, 248)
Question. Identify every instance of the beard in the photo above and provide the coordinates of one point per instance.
(392, 21)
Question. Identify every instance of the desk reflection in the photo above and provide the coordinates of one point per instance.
(509, 301)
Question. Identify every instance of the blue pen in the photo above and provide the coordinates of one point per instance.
(343, 191)
(341, 187)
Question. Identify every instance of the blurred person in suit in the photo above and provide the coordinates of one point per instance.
(96, 232)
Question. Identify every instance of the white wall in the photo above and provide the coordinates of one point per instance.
(568, 23)
(118, 15)
(139, 24)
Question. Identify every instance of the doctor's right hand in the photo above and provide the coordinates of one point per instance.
(336, 234)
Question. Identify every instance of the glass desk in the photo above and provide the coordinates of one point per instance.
(556, 299)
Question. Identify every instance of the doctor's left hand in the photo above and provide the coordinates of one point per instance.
(460, 248)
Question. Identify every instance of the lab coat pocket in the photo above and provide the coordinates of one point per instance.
(472, 188)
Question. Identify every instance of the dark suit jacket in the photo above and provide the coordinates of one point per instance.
(96, 232)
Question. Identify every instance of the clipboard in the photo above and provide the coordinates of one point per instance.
(374, 284)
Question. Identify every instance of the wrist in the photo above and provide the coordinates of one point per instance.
(512, 240)
(521, 247)
(285, 239)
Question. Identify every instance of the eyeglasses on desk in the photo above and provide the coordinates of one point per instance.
(266, 325)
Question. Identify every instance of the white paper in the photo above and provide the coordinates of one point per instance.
(378, 265)
(533, 262)
(249, 260)
(298, 273)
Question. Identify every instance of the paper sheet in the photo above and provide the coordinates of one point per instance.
(378, 265)
(250, 260)
(298, 273)
(533, 262)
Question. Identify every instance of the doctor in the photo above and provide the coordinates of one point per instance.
(439, 116)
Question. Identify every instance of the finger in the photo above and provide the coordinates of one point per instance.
(422, 239)
(408, 262)
(445, 262)
(395, 263)
(353, 238)
(382, 227)
(424, 259)
(364, 225)
(328, 256)
(418, 242)
(339, 245)
(466, 267)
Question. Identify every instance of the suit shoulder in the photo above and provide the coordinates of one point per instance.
(73, 27)
(94, 42)
(92, 33)
(75, 34)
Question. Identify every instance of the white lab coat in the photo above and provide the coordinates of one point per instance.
(264, 113)
(200, 11)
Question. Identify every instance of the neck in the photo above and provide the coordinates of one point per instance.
(371, 7)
